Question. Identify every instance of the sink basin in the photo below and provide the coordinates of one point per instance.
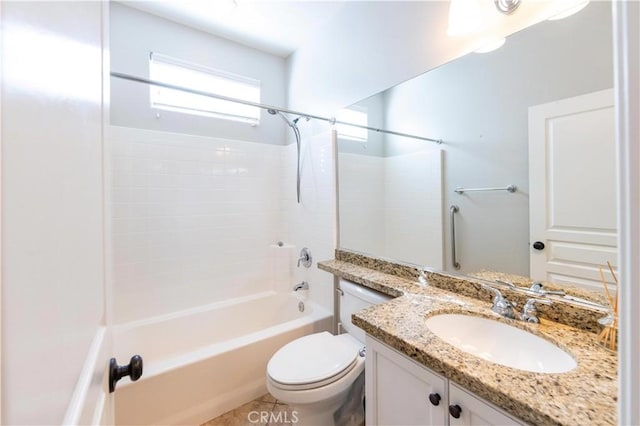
(500, 343)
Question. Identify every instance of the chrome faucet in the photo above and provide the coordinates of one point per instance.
(529, 311)
(302, 286)
(501, 306)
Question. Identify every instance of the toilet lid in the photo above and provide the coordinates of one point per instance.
(311, 359)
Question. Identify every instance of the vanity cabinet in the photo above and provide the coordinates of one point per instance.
(399, 391)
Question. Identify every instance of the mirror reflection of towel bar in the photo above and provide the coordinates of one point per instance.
(510, 188)
(453, 210)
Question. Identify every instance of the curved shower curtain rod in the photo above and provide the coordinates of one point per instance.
(331, 120)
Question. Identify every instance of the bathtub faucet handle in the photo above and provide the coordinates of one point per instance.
(305, 257)
(302, 286)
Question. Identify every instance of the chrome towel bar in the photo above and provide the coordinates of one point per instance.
(510, 188)
(453, 210)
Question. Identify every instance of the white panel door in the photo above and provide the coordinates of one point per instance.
(572, 182)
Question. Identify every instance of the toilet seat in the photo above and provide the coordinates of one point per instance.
(312, 361)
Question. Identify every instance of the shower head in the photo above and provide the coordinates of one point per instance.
(302, 116)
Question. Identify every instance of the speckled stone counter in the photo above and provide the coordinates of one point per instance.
(586, 395)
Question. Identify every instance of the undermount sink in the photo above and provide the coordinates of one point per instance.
(500, 343)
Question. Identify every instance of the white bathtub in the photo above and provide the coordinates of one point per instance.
(203, 362)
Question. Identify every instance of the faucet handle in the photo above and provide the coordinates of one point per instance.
(536, 287)
(533, 300)
(501, 305)
(497, 295)
(305, 257)
(529, 311)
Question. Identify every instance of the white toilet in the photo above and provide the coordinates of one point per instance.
(321, 375)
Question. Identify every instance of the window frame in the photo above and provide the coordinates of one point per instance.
(202, 105)
(350, 136)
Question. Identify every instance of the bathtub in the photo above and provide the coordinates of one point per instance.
(203, 362)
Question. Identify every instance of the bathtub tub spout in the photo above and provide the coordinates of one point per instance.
(302, 286)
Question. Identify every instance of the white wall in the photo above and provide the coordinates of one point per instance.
(52, 204)
(370, 46)
(134, 34)
(193, 219)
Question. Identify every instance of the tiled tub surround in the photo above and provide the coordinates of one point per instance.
(382, 186)
(193, 220)
(585, 395)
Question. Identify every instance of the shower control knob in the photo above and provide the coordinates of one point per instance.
(435, 398)
(117, 372)
(305, 258)
(455, 411)
(538, 245)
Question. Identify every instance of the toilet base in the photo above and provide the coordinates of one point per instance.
(344, 409)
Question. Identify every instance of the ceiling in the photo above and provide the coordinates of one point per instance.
(278, 27)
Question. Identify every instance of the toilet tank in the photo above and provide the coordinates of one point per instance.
(354, 298)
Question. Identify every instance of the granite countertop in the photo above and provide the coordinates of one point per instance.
(586, 395)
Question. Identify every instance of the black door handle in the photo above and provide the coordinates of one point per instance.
(455, 411)
(538, 245)
(117, 372)
(434, 398)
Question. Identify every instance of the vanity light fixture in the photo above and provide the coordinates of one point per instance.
(470, 16)
(490, 45)
(507, 6)
(465, 17)
(566, 8)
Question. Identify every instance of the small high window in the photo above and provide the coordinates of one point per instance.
(351, 132)
(197, 77)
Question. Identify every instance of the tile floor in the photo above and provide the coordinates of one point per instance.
(264, 411)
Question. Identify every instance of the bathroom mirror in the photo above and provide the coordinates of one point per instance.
(396, 194)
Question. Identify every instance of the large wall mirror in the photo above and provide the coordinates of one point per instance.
(536, 114)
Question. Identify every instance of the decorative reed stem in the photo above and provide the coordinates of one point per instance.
(609, 334)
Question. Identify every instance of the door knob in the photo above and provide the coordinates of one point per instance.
(117, 372)
(538, 245)
(435, 398)
(455, 411)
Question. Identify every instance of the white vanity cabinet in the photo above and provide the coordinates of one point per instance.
(399, 391)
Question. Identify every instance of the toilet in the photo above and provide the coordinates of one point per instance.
(321, 375)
